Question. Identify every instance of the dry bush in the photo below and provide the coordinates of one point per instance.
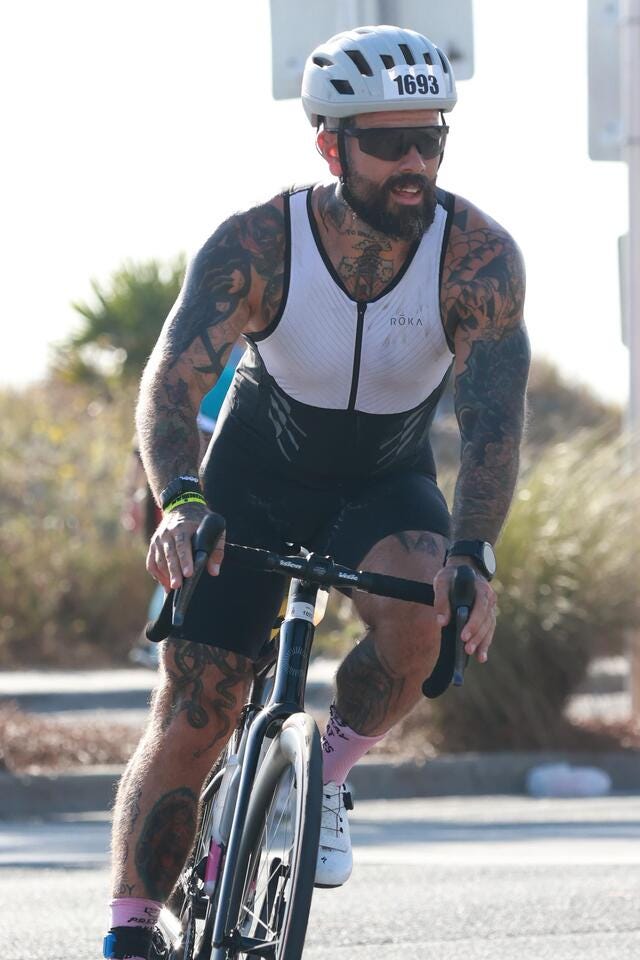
(74, 589)
(567, 591)
(32, 743)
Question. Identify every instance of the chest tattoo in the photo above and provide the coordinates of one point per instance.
(369, 271)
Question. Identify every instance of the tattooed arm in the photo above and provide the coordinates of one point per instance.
(233, 285)
(484, 294)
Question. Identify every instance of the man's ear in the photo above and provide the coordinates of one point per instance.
(327, 147)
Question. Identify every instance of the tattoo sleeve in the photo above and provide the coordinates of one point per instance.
(240, 265)
(483, 313)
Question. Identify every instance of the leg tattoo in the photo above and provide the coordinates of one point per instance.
(165, 841)
(191, 661)
(367, 689)
(420, 542)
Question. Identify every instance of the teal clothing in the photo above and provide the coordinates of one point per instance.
(212, 402)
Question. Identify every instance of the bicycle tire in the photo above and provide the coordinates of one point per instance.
(276, 891)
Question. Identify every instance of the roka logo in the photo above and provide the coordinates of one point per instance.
(404, 321)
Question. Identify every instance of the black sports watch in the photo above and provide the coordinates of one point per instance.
(184, 484)
(480, 551)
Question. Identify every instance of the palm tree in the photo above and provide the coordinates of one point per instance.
(119, 329)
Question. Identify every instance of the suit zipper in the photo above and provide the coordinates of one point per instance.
(357, 353)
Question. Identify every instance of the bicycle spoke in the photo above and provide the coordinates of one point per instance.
(266, 896)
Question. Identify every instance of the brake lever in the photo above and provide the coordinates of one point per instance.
(204, 540)
(453, 659)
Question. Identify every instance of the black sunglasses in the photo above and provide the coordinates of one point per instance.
(393, 143)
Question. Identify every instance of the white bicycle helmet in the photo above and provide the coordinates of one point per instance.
(376, 68)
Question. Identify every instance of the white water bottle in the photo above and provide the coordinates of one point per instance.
(214, 857)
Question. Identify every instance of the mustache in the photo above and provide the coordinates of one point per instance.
(402, 180)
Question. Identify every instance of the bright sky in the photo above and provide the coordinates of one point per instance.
(131, 128)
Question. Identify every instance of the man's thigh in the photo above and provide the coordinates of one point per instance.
(399, 526)
(381, 514)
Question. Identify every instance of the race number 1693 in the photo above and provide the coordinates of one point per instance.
(415, 80)
(419, 84)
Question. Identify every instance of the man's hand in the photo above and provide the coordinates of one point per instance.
(478, 633)
(170, 555)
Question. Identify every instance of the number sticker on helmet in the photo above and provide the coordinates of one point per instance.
(412, 81)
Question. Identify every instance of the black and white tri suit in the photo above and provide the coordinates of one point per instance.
(323, 439)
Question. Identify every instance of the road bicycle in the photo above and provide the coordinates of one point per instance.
(246, 889)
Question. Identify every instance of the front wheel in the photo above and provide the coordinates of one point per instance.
(279, 847)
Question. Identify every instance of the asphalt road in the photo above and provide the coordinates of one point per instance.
(506, 878)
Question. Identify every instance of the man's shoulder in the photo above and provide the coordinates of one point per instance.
(467, 218)
(269, 211)
(476, 236)
(483, 278)
(263, 222)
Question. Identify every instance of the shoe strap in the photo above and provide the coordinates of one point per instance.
(123, 942)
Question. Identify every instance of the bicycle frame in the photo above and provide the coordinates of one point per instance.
(287, 697)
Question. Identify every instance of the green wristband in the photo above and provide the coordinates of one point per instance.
(183, 499)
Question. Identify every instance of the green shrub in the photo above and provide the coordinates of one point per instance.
(73, 582)
(567, 590)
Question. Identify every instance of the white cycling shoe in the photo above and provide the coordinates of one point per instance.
(335, 859)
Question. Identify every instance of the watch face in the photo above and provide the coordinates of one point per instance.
(489, 558)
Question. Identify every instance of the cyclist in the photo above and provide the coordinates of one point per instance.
(356, 298)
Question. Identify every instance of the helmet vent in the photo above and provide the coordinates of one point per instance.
(428, 58)
(360, 62)
(387, 60)
(342, 86)
(406, 53)
(443, 61)
(322, 62)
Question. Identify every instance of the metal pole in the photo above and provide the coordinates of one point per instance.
(630, 89)
(630, 92)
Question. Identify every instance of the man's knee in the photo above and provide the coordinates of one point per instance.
(406, 633)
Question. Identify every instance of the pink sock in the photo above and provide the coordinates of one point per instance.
(342, 748)
(135, 912)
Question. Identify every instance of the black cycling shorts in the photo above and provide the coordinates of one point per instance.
(236, 610)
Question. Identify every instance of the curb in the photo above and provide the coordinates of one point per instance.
(467, 774)
(41, 795)
(483, 774)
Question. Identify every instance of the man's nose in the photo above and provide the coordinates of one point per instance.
(413, 161)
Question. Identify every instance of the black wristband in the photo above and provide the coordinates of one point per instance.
(185, 484)
(480, 551)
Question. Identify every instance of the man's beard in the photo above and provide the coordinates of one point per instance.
(373, 205)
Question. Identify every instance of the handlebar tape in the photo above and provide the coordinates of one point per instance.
(204, 540)
(208, 533)
(398, 589)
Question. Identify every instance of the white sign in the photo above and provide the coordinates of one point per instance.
(605, 117)
(297, 28)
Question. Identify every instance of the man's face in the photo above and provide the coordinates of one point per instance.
(396, 197)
